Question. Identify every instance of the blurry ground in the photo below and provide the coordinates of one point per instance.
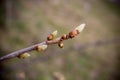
(93, 55)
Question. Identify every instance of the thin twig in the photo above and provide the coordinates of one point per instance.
(21, 51)
(49, 41)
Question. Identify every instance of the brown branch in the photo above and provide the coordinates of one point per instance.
(21, 51)
(43, 45)
(78, 47)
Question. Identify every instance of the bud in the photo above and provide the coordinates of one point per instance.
(24, 55)
(60, 44)
(73, 33)
(80, 27)
(41, 47)
(64, 37)
(52, 35)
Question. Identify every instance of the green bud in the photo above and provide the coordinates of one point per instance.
(60, 44)
(80, 27)
(54, 33)
(24, 55)
(41, 48)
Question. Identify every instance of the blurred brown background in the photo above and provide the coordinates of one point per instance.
(93, 55)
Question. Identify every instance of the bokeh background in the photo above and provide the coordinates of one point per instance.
(92, 55)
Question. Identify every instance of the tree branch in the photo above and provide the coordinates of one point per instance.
(43, 45)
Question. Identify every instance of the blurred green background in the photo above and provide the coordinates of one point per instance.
(92, 55)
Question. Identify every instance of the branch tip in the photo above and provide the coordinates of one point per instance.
(80, 27)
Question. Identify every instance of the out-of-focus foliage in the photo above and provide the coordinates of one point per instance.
(32, 20)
